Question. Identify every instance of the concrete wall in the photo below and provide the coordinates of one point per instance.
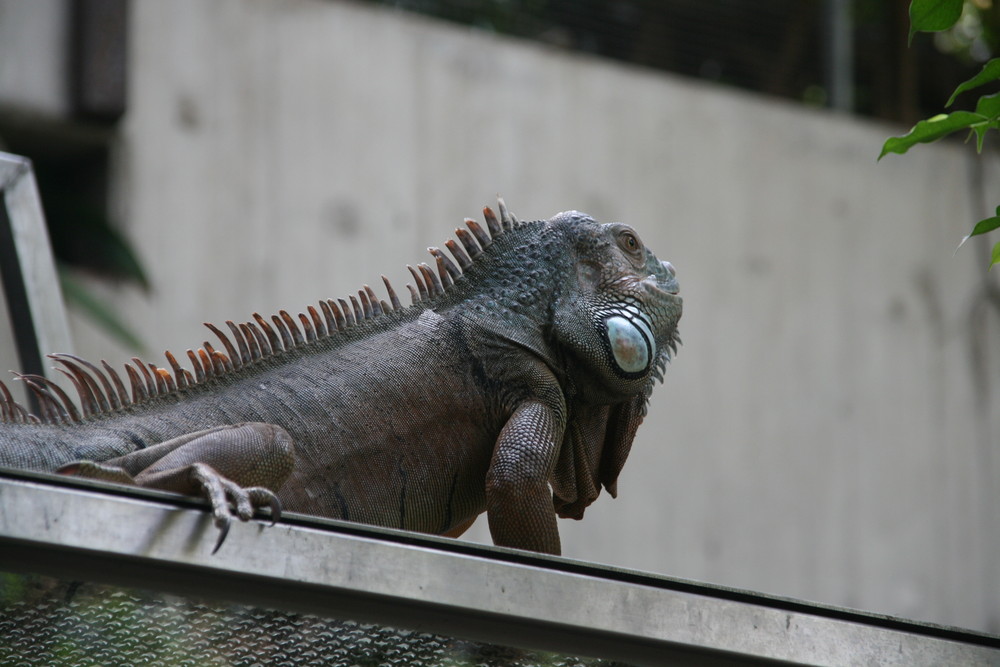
(34, 41)
(829, 430)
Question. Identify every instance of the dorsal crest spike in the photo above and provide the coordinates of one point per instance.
(458, 253)
(139, 392)
(319, 323)
(393, 299)
(241, 342)
(347, 312)
(230, 349)
(259, 344)
(85, 385)
(161, 383)
(443, 272)
(491, 222)
(447, 264)
(272, 338)
(255, 340)
(181, 379)
(70, 411)
(376, 304)
(307, 328)
(119, 385)
(6, 400)
(293, 328)
(481, 236)
(468, 241)
(112, 401)
(418, 280)
(150, 382)
(220, 359)
(87, 404)
(433, 283)
(331, 321)
(220, 362)
(286, 336)
(367, 312)
(206, 362)
(359, 313)
(337, 314)
(506, 219)
(167, 378)
(47, 403)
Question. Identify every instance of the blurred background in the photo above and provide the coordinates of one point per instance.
(830, 429)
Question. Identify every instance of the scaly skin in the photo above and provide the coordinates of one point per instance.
(513, 385)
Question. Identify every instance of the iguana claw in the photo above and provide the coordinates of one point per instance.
(253, 497)
(220, 492)
(223, 531)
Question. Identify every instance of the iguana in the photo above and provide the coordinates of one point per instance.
(513, 384)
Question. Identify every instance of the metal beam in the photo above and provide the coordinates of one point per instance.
(27, 268)
(494, 595)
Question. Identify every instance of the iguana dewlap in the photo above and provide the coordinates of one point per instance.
(513, 384)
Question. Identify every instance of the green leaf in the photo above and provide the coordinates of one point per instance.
(990, 72)
(930, 130)
(986, 225)
(989, 108)
(995, 258)
(982, 227)
(933, 15)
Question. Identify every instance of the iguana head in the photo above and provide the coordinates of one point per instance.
(618, 315)
(616, 319)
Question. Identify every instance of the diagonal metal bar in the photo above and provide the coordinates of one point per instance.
(27, 269)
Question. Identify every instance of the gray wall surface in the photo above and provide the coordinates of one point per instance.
(829, 430)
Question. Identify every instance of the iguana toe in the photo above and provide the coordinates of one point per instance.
(263, 497)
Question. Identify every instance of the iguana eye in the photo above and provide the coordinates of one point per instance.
(629, 242)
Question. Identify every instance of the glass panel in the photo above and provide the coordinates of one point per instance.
(47, 621)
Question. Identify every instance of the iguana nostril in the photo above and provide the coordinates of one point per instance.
(669, 268)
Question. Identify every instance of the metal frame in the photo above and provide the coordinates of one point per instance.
(92, 531)
(27, 269)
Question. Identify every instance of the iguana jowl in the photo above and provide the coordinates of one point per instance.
(513, 384)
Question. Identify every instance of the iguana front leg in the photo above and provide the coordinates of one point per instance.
(242, 464)
(518, 497)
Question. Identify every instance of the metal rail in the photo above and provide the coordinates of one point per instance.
(97, 532)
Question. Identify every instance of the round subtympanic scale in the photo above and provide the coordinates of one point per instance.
(630, 348)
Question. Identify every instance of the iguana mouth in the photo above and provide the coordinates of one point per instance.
(660, 289)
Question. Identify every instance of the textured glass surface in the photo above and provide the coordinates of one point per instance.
(45, 621)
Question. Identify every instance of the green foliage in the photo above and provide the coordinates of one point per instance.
(933, 16)
(990, 72)
(932, 129)
(983, 226)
